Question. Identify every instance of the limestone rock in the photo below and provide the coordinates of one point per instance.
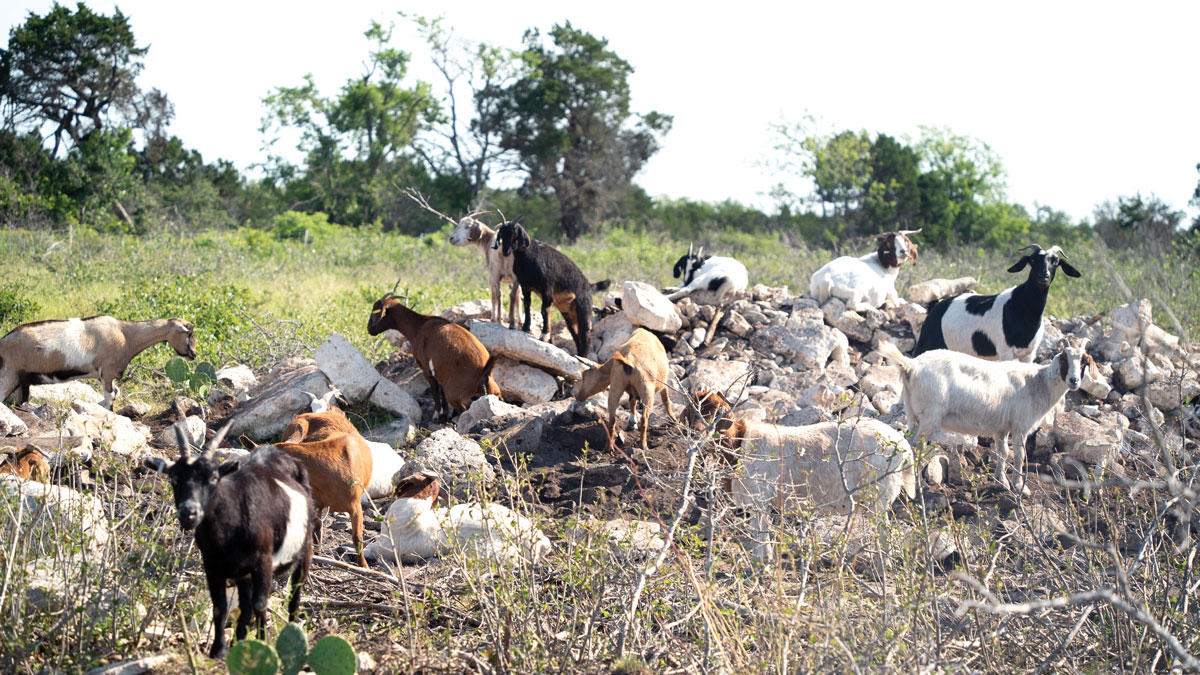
(194, 430)
(480, 310)
(52, 516)
(608, 334)
(936, 289)
(396, 400)
(64, 393)
(10, 424)
(725, 377)
(459, 462)
(647, 307)
(1084, 439)
(238, 378)
(520, 382)
(135, 410)
(115, 434)
(737, 324)
(520, 346)
(346, 368)
(393, 434)
(280, 397)
(483, 408)
(523, 437)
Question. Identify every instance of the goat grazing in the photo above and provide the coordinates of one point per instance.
(705, 407)
(721, 277)
(453, 361)
(831, 465)
(868, 282)
(543, 269)
(967, 395)
(384, 460)
(639, 368)
(1006, 326)
(29, 463)
(415, 531)
(253, 521)
(98, 347)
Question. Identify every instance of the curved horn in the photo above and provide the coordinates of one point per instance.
(216, 440)
(908, 233)
(1059, 251)
(185, 446)
(393, 291)
(690, 245)
(1034, 247)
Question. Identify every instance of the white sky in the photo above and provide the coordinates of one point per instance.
(1084, 101)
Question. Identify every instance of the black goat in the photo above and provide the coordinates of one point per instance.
(1004, 326)
(543, 269)
(253, 520)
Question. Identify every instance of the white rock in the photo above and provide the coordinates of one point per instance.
(471, 309)
(237, 378)
(115, 433)
(724, 377)
(486, 407)
(608, 334)
(520, 382)
(936, 289)
(64, 392)
(937, 470)
(647, 307)
(697, 338)
(393, 434)
(10, 424)
(394, 399)
(459, 462)
(346, 368)
(194, 429)
(1095, 383)
(278, 399)
(52, 516)
(523, 347)
(386, 463)
(737, 324)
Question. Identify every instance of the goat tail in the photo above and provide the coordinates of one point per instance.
(909, 477)
(601, 285)
(891, 352)
(486, 376)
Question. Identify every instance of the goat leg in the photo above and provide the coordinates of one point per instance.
(527, 306)
(514, 307)
(220, 603)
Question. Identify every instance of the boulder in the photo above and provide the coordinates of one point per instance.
(64, 393)
(10, 424)
(472, 309)
(459, 462)
(135, 410)
(1095, 382)
(808, 346)
(523, 383)
(936, 289)
(608, 334)
(523, 437)
(1131, 320)
(194, 430)
(1084, 439)
(280, 397)
(53, 517)
(737, 324)
(484, 408)
(396, 400)
(1171, 393)
(647, 307)
(523, 347)
(937, 470)
(238, 378)
(115, 434)
(347, 368)
(725, 377)
(768, 294)
(856, 326)
(882, 378)
(913, 314)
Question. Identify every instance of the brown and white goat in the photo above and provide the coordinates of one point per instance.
(339, 464)
(453, 361)
(499, 266)
(867, 282)
(706, 407)
(98, 347)
(639, 368)
(29, 463)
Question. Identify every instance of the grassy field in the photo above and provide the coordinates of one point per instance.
(256, 299)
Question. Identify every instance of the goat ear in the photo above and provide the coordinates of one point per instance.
(1020, 264)
(228, 466)
(184, 329)
(158, 464)
(246, 442)
(679, 265)
(1068, 268)
(522, 238)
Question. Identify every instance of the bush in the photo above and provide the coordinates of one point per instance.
(16, 306)
(303, 226)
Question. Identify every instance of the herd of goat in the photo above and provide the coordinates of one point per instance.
(256, 517)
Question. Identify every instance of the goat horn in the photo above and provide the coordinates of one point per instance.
(690, 245)
(1059, 251)
(911, 232)
(502, 218)
(216, 440)
(1035, 248)
(700, 252)
(185, 446)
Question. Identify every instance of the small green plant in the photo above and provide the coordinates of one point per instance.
(198, 381)
(16, 305)
(332, 655)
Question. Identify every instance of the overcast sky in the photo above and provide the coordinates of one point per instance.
(1083, 101)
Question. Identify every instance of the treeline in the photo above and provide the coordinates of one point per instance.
(81, 145)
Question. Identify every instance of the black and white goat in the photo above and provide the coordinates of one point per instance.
(721, 278)
(867, 282)
(253, 519)
(68, 349)
(1006, 326)
(558, 281)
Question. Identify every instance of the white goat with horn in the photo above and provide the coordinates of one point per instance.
(867, 282)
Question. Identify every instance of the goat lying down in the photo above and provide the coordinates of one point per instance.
(415, 530)
(868, 282)
(98, 347)
(827, 464)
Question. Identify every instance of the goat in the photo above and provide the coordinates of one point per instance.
(705, 407)
(415, 531)
(29, 463)
(384, 460)
(98, 347)
(826, 463)
(961, 393)
(339, 464)
(453, 361)
(639, 368)
(543, 269)
(723, 277)
(1005, 326)
(253, 521)
(868, 282)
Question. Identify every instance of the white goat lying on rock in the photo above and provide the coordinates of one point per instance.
(868, 282)
(416, 531)
(827, 464)
(968, 395)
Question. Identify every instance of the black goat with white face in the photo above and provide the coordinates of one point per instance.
(1004, 326)
(558, 281)
(253, 521)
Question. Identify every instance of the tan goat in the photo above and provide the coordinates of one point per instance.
(639, 368)
(453, 361)
(98, 347)
(28, 463)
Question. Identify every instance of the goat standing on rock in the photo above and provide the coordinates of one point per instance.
(558, 281)
(640, 368)
(68, 349)
(868, 282)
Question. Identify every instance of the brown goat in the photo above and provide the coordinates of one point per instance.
(453, 361)
(339, 465)
(639, 368)
(28, 463)
(705, 407)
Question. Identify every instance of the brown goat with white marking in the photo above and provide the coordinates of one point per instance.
(98, 347)
(707, 406)
(29, 463)
(639, 367)
(453, 361)
(339, 465)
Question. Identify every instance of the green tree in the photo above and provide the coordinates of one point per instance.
(72, 73)
(567, 117)
(1136, 221)
(892, 199)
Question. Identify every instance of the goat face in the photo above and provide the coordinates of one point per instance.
(511, 237)
(1043, 264)
(593, 381)
(895, 248)
(689, 265)
(1071, 360)
(466, 231)
(194, 481)
(420, 485)
(183, 338)
(379, 311)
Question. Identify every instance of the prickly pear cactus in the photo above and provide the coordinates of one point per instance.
(200, 383)
(332, 655)
(292, 646)
(177, 370)
(252, 657)
(207, 368)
